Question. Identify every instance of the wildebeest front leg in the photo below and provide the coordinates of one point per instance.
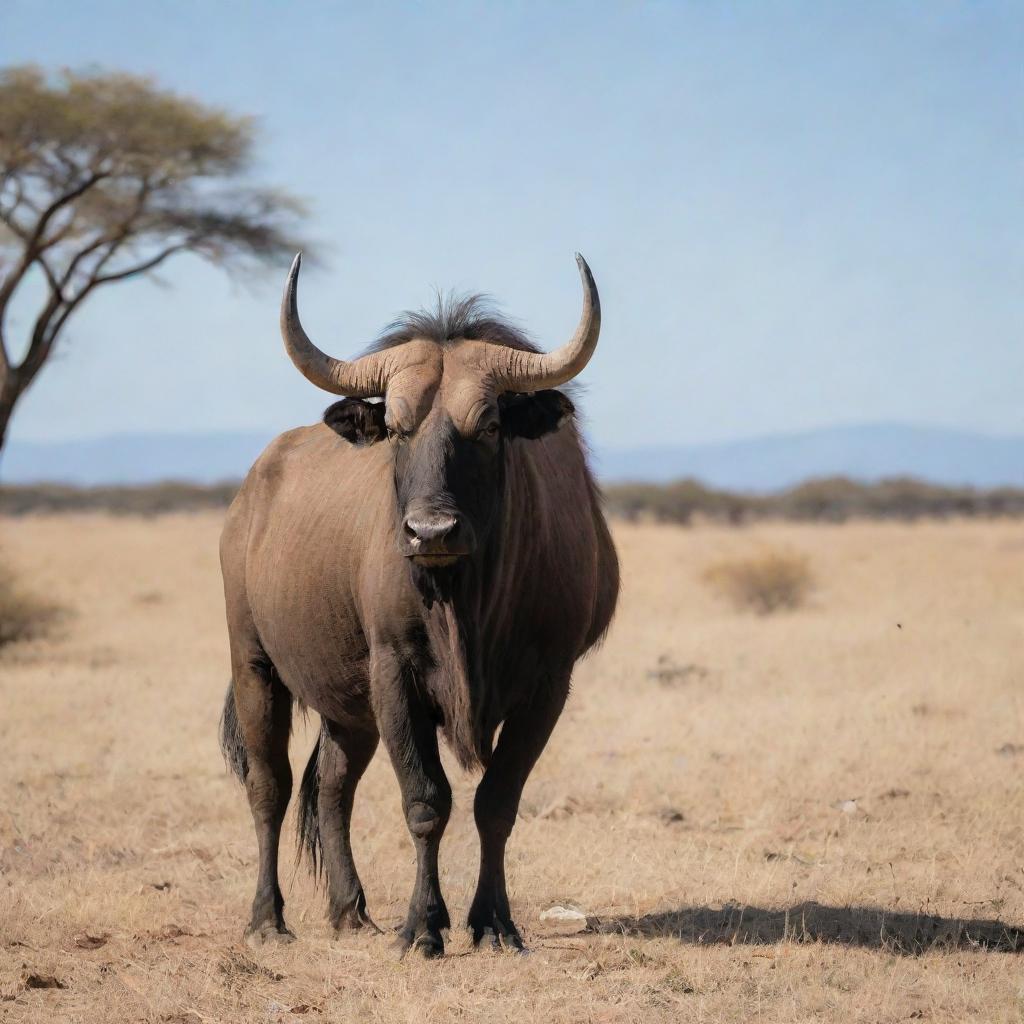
(409, 731)
(345, 753)
(263, 706)
(523, 738)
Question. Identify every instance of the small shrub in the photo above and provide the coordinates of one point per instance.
(23, 616)
(669, 673)
(765, 583)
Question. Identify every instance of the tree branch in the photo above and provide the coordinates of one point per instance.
(51, 277)
(52, 319)
(141, 268)
(60, 202)
(19, 196)
(59, 235)
(32, 250)
(39, 345)
(114, 239)
(88, 250)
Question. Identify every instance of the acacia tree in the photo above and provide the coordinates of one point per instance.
(104, 177)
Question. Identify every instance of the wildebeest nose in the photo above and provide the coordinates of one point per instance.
(429, 528)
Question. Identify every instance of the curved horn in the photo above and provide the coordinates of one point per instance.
(515, 370)
(361, 378)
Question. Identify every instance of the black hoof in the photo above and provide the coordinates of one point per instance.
(353, 918)
(496, 934)
(430, 945)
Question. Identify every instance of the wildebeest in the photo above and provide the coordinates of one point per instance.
(434, 558)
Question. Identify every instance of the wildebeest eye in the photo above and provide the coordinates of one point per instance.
(490, 431)
(398, 434)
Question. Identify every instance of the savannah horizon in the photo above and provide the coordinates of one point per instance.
(863, 452)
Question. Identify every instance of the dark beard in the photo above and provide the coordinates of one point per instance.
(435, 585)
(452, 622)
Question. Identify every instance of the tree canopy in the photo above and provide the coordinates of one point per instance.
(103, 177)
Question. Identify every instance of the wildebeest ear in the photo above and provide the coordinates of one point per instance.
(533, 416)
(357, 421)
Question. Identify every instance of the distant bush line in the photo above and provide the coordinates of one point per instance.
(148, 500)
(684, 502)
(831, 499)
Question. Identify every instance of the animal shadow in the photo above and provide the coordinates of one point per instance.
(866, 927)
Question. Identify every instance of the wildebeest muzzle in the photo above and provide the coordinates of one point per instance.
(435, 538)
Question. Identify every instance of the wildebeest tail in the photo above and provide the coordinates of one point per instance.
(307, 815)
(231, 745)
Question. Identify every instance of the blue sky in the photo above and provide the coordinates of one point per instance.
(799, 214)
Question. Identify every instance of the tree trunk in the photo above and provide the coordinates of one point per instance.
(10, 392)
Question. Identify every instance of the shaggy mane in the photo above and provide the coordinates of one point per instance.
(454, 317)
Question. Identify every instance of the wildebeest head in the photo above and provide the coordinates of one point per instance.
(456, 388)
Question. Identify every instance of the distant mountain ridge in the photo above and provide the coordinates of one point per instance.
(133, 459)
(866, 452)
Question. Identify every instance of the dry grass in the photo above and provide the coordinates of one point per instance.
(767, 582)
(815, 816)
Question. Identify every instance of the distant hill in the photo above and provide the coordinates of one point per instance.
(867, 453)
(133, 459)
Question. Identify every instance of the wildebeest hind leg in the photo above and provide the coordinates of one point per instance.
(345, 751)
(523, 738)
(263, 706)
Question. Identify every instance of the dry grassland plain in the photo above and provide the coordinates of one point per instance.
(812, 815)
